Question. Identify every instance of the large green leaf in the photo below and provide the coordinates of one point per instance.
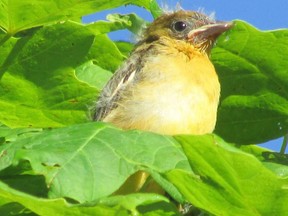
(93, 159)
(228, 181)
(39, 88)
(253, 70)
(17, 16)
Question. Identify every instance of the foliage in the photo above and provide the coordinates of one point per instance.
(54, 161)
(253, 73)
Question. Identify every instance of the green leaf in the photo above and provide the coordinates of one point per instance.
(12, 208)
(11, 135)
(94, 156)
(228, 181)
(124, 47)
(16, 16)
(142, 204)
(254, 80)
(132, 201)
(159, 209)
(93, 75)
(255, 150)
(103, 27)
(30, 184)
(132, 22)
(42, 67)
(105, 53)
(278, 169)
(40, 206)
(10, 48)
(155, 9)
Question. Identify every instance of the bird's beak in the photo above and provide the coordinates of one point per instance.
(208, 33)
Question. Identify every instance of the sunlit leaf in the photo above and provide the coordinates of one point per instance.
(39, 87)
(253, 71)
(228, 181)
(93, 75)
(95, 157)
(17, 16)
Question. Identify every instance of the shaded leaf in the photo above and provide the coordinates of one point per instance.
(159, 209)
(48, 207)
(132, 201)
(6, 49)
(253, 71)
(30, 184)
(12, 208)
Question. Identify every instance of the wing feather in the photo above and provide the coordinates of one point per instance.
(111, 93)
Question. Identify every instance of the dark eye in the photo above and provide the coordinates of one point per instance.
(179, 26)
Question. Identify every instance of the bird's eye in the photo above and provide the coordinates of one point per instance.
(180, 26)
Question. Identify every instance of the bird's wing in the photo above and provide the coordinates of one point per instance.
(111, 93)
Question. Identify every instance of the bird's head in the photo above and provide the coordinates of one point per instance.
(193, 27)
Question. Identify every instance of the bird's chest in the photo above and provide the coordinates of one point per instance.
(175, 95)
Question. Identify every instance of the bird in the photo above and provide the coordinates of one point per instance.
(168, 84)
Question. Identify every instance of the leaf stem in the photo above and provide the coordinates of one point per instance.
(284, 144)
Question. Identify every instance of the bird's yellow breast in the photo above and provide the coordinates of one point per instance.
(177, 92)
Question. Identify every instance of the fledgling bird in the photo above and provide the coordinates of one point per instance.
(168, 84)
